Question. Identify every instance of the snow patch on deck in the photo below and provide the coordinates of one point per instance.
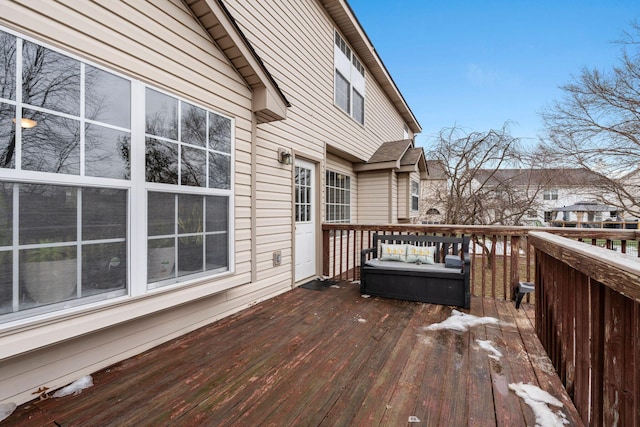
(459, 321)
(539, 401)
(489, 346)
(75, 387)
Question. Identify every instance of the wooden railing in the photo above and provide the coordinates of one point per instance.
(500, 256)
(588, 319)
(631, 225)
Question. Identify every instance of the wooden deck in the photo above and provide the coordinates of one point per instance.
(326, 357)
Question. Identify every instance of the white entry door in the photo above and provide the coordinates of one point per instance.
(305, 212)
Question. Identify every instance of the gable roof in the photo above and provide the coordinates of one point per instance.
(269, 103)
(540, 177)
(350, 27)
(400, 155)
(391, 151)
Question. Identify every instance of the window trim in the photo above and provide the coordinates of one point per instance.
(414, 196)
(329, 188)
(356, 78)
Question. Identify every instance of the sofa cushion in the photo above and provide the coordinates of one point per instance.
(405, 266)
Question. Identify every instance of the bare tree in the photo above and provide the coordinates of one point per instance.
(477, 191)
(596, 125)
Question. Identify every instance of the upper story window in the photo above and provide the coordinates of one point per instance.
(405, 132)
(77, 142)
(349, 84)
(338, 197)
(550, 194)
(415, 196)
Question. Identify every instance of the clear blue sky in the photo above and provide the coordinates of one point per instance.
(477, 64)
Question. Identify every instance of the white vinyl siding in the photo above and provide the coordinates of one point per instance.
(311, 87)
(374, 202)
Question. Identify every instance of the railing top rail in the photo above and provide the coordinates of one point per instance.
(617, 271)
(498, 230)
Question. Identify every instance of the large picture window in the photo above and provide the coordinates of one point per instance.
(68, 152)
(338, 198)
(349, 92)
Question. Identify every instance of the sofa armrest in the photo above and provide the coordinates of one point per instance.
(363, 260)
(466, 258)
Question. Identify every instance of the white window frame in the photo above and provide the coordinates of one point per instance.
(352, 70)
(136, 187)
(551, 194)
(335, 193)
(415, 195)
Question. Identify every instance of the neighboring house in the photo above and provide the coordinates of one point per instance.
(434, 193)
(172, 162)
(538, 195)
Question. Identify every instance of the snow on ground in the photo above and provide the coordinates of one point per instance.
(459, 321)
(75, 387)
(6, 409)
(490, 347)
(538, 400)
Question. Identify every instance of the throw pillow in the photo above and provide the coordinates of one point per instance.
(393, 252)
(424, 254)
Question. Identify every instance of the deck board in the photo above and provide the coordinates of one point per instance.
(328, 358)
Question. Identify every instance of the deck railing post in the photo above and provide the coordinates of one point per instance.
(515, 263)
(325, 252)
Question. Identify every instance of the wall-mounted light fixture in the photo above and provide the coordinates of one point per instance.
(26, 123)
(284, 156)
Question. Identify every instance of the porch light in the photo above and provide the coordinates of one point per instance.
(26, 123)
(284, 156)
